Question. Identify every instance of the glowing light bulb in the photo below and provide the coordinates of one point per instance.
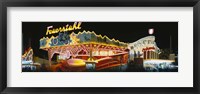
(151, 31)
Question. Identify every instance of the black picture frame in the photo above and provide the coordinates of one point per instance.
(100, 3)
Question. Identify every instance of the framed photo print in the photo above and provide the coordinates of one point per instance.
(85, 46)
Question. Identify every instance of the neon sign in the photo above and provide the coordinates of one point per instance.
(75, 26)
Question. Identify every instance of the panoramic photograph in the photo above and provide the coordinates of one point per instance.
(99, 47)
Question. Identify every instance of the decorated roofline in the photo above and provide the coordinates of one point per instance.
(74, 40)
(100, 36)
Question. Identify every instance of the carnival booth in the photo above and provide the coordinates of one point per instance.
(86, 48)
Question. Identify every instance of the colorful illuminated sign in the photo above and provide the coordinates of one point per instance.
(75, 26)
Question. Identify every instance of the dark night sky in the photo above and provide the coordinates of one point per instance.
(123, 31)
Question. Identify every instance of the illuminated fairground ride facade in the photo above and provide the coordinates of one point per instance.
(27, 60)
(87, 46)
(100, 50)
(145, 48)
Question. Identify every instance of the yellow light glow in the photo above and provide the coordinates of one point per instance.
(76, 62)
